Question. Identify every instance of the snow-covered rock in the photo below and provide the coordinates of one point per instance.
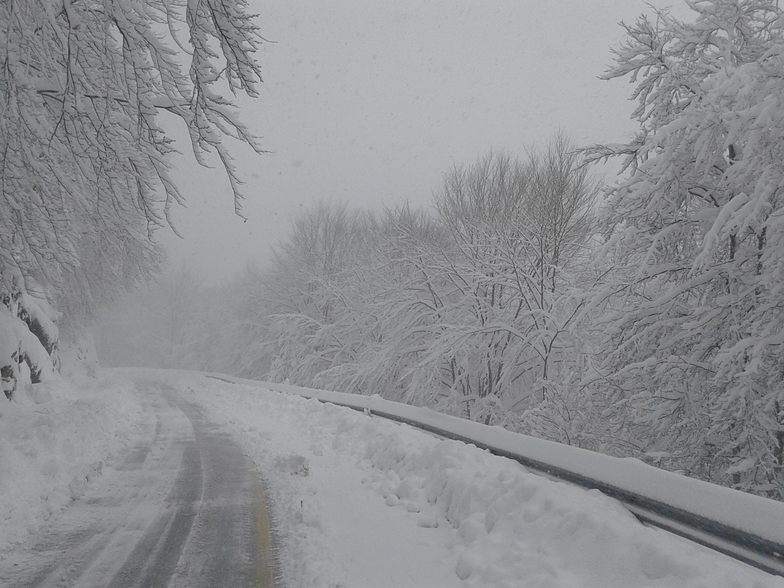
(19, 345)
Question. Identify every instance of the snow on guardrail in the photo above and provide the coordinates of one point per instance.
(744, 526)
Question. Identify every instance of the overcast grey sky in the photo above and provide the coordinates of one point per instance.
(370, 101)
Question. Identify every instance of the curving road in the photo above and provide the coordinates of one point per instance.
(185, 508)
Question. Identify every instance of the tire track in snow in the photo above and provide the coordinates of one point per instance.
(185, 508)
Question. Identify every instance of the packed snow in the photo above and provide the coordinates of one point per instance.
(357, 500)
(54, 439)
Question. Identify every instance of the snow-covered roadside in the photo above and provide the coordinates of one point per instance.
(368, 503)
(55, 437)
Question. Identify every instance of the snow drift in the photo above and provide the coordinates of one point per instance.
(496, 522)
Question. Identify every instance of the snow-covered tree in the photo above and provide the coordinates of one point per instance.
(519, 230)
(469, 310)
(309, 291)
(84, 168)
(85, 87)
(696, 232)
(29, 338)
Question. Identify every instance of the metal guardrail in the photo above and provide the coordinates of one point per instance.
(741, 545)
(751, 548)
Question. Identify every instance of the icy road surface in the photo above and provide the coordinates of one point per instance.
(183, 508)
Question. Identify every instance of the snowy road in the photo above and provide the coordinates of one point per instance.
(183, 508)
(149, 478)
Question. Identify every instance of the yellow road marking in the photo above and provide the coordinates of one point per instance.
(265, 561)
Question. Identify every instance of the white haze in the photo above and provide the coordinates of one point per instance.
(370, 103)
